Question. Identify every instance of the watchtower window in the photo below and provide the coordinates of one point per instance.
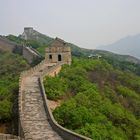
(59, 58)
(50, 56)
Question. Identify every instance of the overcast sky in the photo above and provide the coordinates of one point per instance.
(87, 23)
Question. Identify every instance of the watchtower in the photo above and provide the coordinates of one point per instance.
(58, 51)
(27, 32)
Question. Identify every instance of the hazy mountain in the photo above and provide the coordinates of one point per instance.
(129, 45)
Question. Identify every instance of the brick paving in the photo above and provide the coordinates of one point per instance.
(35, 121)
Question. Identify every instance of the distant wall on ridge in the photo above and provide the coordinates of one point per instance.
(31, 55)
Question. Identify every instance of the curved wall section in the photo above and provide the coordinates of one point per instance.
(35, 118)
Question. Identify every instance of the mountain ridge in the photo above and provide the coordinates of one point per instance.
(31, 34)
(39, 41)
(129, 45)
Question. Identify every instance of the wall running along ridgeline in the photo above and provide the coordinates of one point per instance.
(36, 121)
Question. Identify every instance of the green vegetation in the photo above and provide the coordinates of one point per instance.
(55, 87)
(15, 39)
(11, 66)
(100, 100)
(41, 50)
(40, 42)
(125, 63)
(39, 46)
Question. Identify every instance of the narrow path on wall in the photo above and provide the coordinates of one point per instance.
(35, 120)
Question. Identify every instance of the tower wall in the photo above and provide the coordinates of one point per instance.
(58, 52)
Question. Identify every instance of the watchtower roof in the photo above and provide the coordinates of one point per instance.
(28, 28)
(59, 39)
(58, 43)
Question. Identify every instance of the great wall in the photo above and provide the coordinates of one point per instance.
(36, 121)
(30, 54)
(33, 120)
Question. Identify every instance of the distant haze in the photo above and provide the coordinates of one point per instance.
(86, 23)
(129, 45)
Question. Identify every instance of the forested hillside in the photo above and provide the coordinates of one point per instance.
(10, 67)
(40, 41)
(33, 43)
(99, 100)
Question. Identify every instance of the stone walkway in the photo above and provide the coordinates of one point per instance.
(8, 137)
(35, 120)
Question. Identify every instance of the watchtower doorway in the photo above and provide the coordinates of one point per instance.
(59, 58)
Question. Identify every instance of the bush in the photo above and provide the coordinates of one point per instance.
(55, 87)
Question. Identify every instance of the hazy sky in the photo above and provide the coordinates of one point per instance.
(87, 23)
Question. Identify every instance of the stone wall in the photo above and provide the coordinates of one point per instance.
(20, 101)
(58, 51)
(52, 71)
(64, 133)
(30, 55)
(6, 45)
(8, 137)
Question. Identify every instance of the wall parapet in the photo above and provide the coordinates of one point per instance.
(52, 70)
(65, 133)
